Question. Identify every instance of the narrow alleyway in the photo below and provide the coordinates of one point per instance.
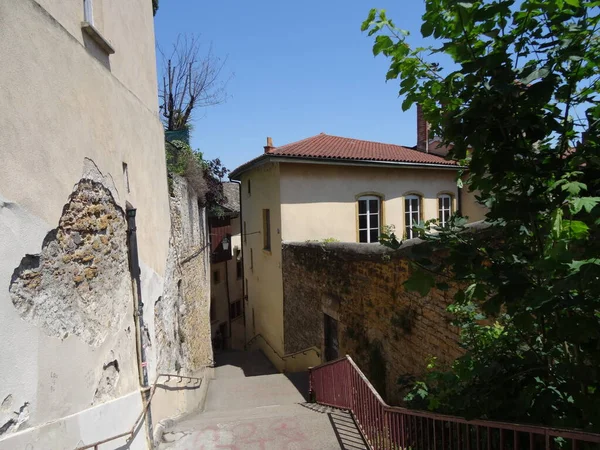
(250, 406)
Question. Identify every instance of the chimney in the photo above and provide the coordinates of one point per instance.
(422, 131)
(269, 147)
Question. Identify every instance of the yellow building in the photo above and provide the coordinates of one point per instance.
(331, 188)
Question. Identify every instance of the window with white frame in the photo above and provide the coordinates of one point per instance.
(369, 218)
(412, 214)
(444, 209)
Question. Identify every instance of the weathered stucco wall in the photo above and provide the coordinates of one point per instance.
(69, 123)
(389, 332)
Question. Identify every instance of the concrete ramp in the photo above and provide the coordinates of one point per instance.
(250, 406)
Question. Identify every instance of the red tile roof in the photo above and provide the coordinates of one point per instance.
(335, 147)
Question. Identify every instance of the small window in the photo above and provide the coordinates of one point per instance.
(88, 11)
(251, 260)
(239, 270)
(412, 214)
(267, 229)
(444, 209)
(249, 189)
(369, 215)
(216, 276)
(245, 234)
(235, 309)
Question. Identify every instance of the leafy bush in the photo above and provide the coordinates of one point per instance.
(518, 105)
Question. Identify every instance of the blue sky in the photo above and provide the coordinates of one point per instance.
(300, 68)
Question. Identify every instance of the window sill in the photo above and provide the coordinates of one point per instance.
(93, 32)
(267, 251)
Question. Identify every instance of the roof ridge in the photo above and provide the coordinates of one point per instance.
(372, 142)
(301, 140)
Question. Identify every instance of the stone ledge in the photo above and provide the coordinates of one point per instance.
(93, 32)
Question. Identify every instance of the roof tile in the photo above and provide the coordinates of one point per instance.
(335, 147)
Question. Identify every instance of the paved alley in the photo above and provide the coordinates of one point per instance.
(250, 406)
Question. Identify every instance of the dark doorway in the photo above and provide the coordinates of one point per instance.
(331, 338)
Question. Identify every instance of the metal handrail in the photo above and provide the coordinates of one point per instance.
(137, 422)
(342, 384)
(287, 355)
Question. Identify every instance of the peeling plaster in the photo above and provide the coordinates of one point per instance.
(19, 418)
(79, 284)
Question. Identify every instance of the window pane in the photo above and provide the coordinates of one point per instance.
(447, 202)
(440, 202)
(446, 216)
(408, 232)
(414, 218)
(362, 236)
(362, 206)
(362, 221)
(415, 204)
(374, 235)
(374, 221)
(373, 206)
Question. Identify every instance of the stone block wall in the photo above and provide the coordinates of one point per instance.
(182, 313)
(389, 332)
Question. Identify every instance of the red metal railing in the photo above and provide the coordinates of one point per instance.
(341, 384)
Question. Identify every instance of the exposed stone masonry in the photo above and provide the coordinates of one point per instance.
(80, 283)
(389, 332)
(182, 313)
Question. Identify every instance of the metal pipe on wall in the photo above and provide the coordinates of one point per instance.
(138, 310)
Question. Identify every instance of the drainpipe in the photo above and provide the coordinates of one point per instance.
(227, 288)
(138, 311)
(459, 201)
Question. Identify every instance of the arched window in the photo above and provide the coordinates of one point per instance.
(444, 209)
(369, 218)
(412, 214)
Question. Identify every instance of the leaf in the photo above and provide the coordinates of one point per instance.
(574, 187)
(587, 203)
(427, 29)
(576, 228)
(367, 23)
(420, 281)
(576, 266)
(557, 222)
(539, 73)
(574, 3)
(381, 43)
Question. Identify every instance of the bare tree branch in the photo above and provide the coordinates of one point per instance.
(191, 81)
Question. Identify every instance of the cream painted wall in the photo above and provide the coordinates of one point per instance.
(60, 105)
(128, 26)
(319, 201)
(264, 309)
(471, 208)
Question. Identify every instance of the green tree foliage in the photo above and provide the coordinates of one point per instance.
(204, 176)
(154, 6)
(513, 88)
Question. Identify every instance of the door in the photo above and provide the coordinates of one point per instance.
(331, 338)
